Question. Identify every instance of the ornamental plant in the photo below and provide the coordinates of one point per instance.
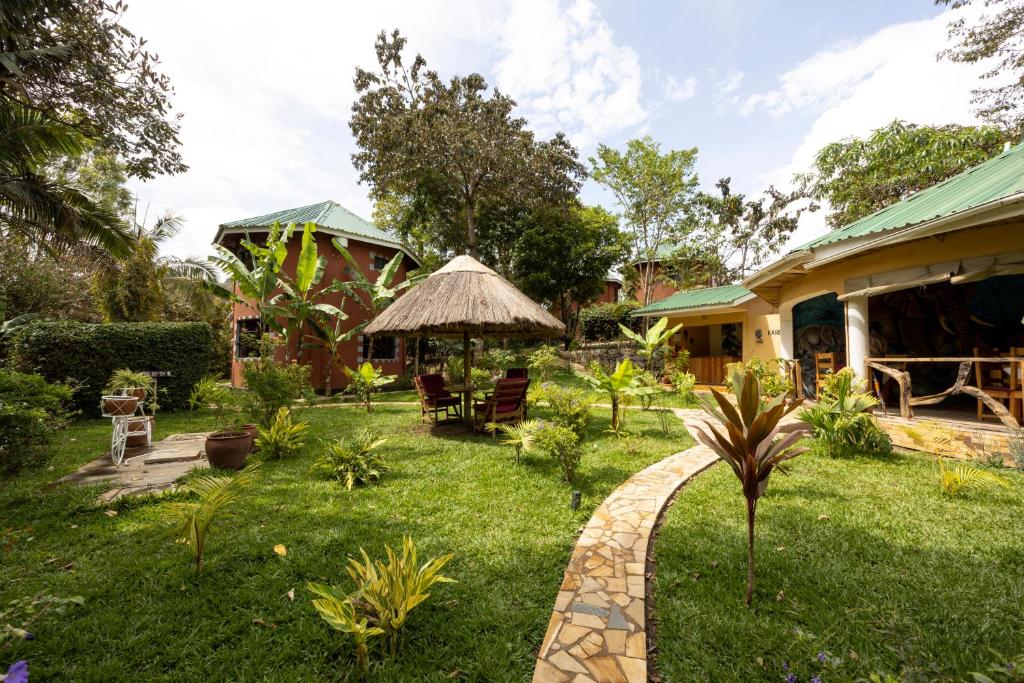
(841, 421)
(562, 444)
(384, 595)
(961, 478)
(545, 361)
(520, 436)
(354, 461)
(32, 411)
(272, 384)
(750, 442)
(365, 380)
(657, 336)
(569, 407)
(618, 385)
(283, 437)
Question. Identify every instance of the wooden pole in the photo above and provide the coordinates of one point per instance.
(467, 378)
(416, 357)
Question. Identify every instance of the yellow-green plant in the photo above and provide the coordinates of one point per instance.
(617, 385)
(520, 436)
(386, 592)
(962, 477)
(751, 443)
(335, 607)
(365, 380)
(648, 344)
(194, 518)
(545, 361)
(283, 437)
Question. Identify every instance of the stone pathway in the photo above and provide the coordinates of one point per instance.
(597, 633)
(144, 470)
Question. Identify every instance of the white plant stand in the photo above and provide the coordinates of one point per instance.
(122, 428)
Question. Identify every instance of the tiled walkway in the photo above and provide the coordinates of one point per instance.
(597, 633)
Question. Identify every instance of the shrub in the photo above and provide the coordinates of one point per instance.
(1017, 449)
(355, 461)
(601, 323)
(31, 412)
(89, 353)
(646, 387)
(562, 444)
(769, 378)
(840, 421)
(364, 381)
(272, 384)
(213, 394)
(683, 383)
(570, 408)
(385, 594)
(676, 361)
(545, 361)
(283, 437)
(962, 477)
(520, 436)
(497, 361)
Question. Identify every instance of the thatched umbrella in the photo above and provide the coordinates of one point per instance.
(465, 298)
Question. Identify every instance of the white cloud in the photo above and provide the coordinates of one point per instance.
(729, 83)
(567, 72)
(676, 90)
(857, 87)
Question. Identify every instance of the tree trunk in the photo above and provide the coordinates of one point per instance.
(751, 507)
(615, 413)
(471, 237)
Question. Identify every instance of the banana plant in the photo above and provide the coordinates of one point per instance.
(298, 301)
(751, 444)
(331, 338)
(366, 379)
(256, 285)
(373, 296)
(656, 337)
(617, 385)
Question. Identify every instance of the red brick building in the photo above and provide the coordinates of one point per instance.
(370, 246)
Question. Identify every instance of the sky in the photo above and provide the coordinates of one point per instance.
(265, 88)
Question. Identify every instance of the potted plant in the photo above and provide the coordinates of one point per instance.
(130, 383)
(119, 405)
(229, 444)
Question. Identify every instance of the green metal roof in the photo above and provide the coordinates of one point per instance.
(999, 177)
(697, 298)
(329, 214)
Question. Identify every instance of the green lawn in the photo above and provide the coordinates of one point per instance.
(146, 617)
(862, 559)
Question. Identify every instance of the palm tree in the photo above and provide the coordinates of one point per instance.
(52, 214)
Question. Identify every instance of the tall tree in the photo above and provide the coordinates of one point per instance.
(858, 176)
(564, 255)
(727, 236)
(447, 148)
(997, 36)
(72, 62)
(653, 191)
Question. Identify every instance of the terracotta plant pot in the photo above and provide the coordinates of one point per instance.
(119, 405)
(137, 432)
(228, 450)
(253, 430)
(137, 392)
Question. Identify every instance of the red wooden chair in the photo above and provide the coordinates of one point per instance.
(434, 398)
(507, 403)
(517, 373)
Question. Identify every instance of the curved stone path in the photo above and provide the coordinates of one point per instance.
(597, 633)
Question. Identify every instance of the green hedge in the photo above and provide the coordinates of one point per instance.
(601, 323)
(87, 353)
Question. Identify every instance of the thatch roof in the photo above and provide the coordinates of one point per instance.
(465, 296)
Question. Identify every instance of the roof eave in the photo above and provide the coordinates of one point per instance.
(710, 308)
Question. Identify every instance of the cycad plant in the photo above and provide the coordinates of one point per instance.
(751, 444)
(962, 477)
(520, 436)
(194, 518)
(617, 385)
(648, 344)
(841, 421)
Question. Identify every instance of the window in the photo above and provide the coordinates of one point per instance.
(384, 348)
(377, 261)
(247, 338)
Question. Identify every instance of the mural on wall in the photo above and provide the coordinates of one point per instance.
(731, 335)
(818, 326)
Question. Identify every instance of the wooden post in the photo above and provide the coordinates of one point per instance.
(416, 357)
(467, 377)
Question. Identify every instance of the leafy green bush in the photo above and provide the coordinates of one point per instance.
(683, 383)
(570, 408)
(768, 375)
(283, 437)
(840, 420)
(601, 323)
(562, 444)
(385, 594)
(354, 461)
(88, 353)
(497, 361)
(272, 384)
(31, 412)
(545, 362)
(364, 381)
(676, 361)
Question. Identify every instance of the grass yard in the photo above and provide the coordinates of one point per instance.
(146, 617)
(864, 560)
